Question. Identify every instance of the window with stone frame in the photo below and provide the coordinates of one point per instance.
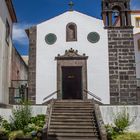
(138, 44)
(138, 22)
(71, 32)
(7, 36)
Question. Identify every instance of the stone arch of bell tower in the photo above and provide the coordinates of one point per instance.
(114, 10)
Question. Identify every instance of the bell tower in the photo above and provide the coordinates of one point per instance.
(116, 11)
(122, 71)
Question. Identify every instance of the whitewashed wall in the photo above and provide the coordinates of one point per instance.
(6, 113)
(108, 114)
(98, 69)
(5, 53)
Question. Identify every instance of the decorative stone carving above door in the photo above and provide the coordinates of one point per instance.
(71, 58)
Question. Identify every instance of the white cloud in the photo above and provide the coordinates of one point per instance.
(19, 35)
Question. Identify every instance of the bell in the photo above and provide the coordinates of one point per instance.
(116, 13)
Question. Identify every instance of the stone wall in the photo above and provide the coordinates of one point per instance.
(32, 65)
(122, 66)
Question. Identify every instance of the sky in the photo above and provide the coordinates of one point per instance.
(33, 12)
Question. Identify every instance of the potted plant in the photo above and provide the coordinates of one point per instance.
(19, 135)
(3, 134)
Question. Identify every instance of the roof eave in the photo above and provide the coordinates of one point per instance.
(135, 12)
(11, 10)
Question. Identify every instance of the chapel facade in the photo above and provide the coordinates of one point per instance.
(75, 56)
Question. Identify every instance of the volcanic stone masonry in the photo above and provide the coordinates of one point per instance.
(122, 66)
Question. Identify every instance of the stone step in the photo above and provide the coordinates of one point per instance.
(72, 117)
(73, 101)
(89, 123)
(73, 131)
(72, 127)
(72, 110)
(73, 106)
(71, 120)
(72, 138)
(71, 113)
(73, 134)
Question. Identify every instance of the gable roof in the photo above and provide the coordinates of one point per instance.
(71, 12)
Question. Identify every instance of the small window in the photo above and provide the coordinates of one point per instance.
(71, 32)
(138, 22)
(139, 45)
(7, 32)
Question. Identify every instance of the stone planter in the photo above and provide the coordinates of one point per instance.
(23, 139)
(3, 138)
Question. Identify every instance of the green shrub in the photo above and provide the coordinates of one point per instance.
(21, 116)
(3, 132)
(128, 136)
(1, 119)
(16, 134)
(122, 121)
(120, 124)
(22, 124)
(39, 120)
(6, 125)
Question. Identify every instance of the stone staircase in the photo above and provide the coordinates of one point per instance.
(73, 120)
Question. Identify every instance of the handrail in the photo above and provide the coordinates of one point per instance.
(50, 114)
(51, 95)
(93, 95)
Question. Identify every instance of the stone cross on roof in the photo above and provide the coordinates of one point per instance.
(71, 4)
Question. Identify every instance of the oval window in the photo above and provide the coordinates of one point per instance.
(50, 38)
(93, 37)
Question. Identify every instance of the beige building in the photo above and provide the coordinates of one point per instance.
(19, 77)
(135, 17)
(7, 18)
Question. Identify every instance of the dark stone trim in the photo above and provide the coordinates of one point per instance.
(121, 27)
(73, 62)
(71, 58)
(68, 39)
(32, 65)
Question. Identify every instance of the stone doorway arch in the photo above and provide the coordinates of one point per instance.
(71, 59)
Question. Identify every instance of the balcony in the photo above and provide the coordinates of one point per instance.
(18, 91)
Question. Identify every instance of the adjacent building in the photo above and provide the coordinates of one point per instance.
(135, 16)
(7, 18)
(13, 69)
(19, 78)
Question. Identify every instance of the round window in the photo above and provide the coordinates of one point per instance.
(50, 38)
(93, 37)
